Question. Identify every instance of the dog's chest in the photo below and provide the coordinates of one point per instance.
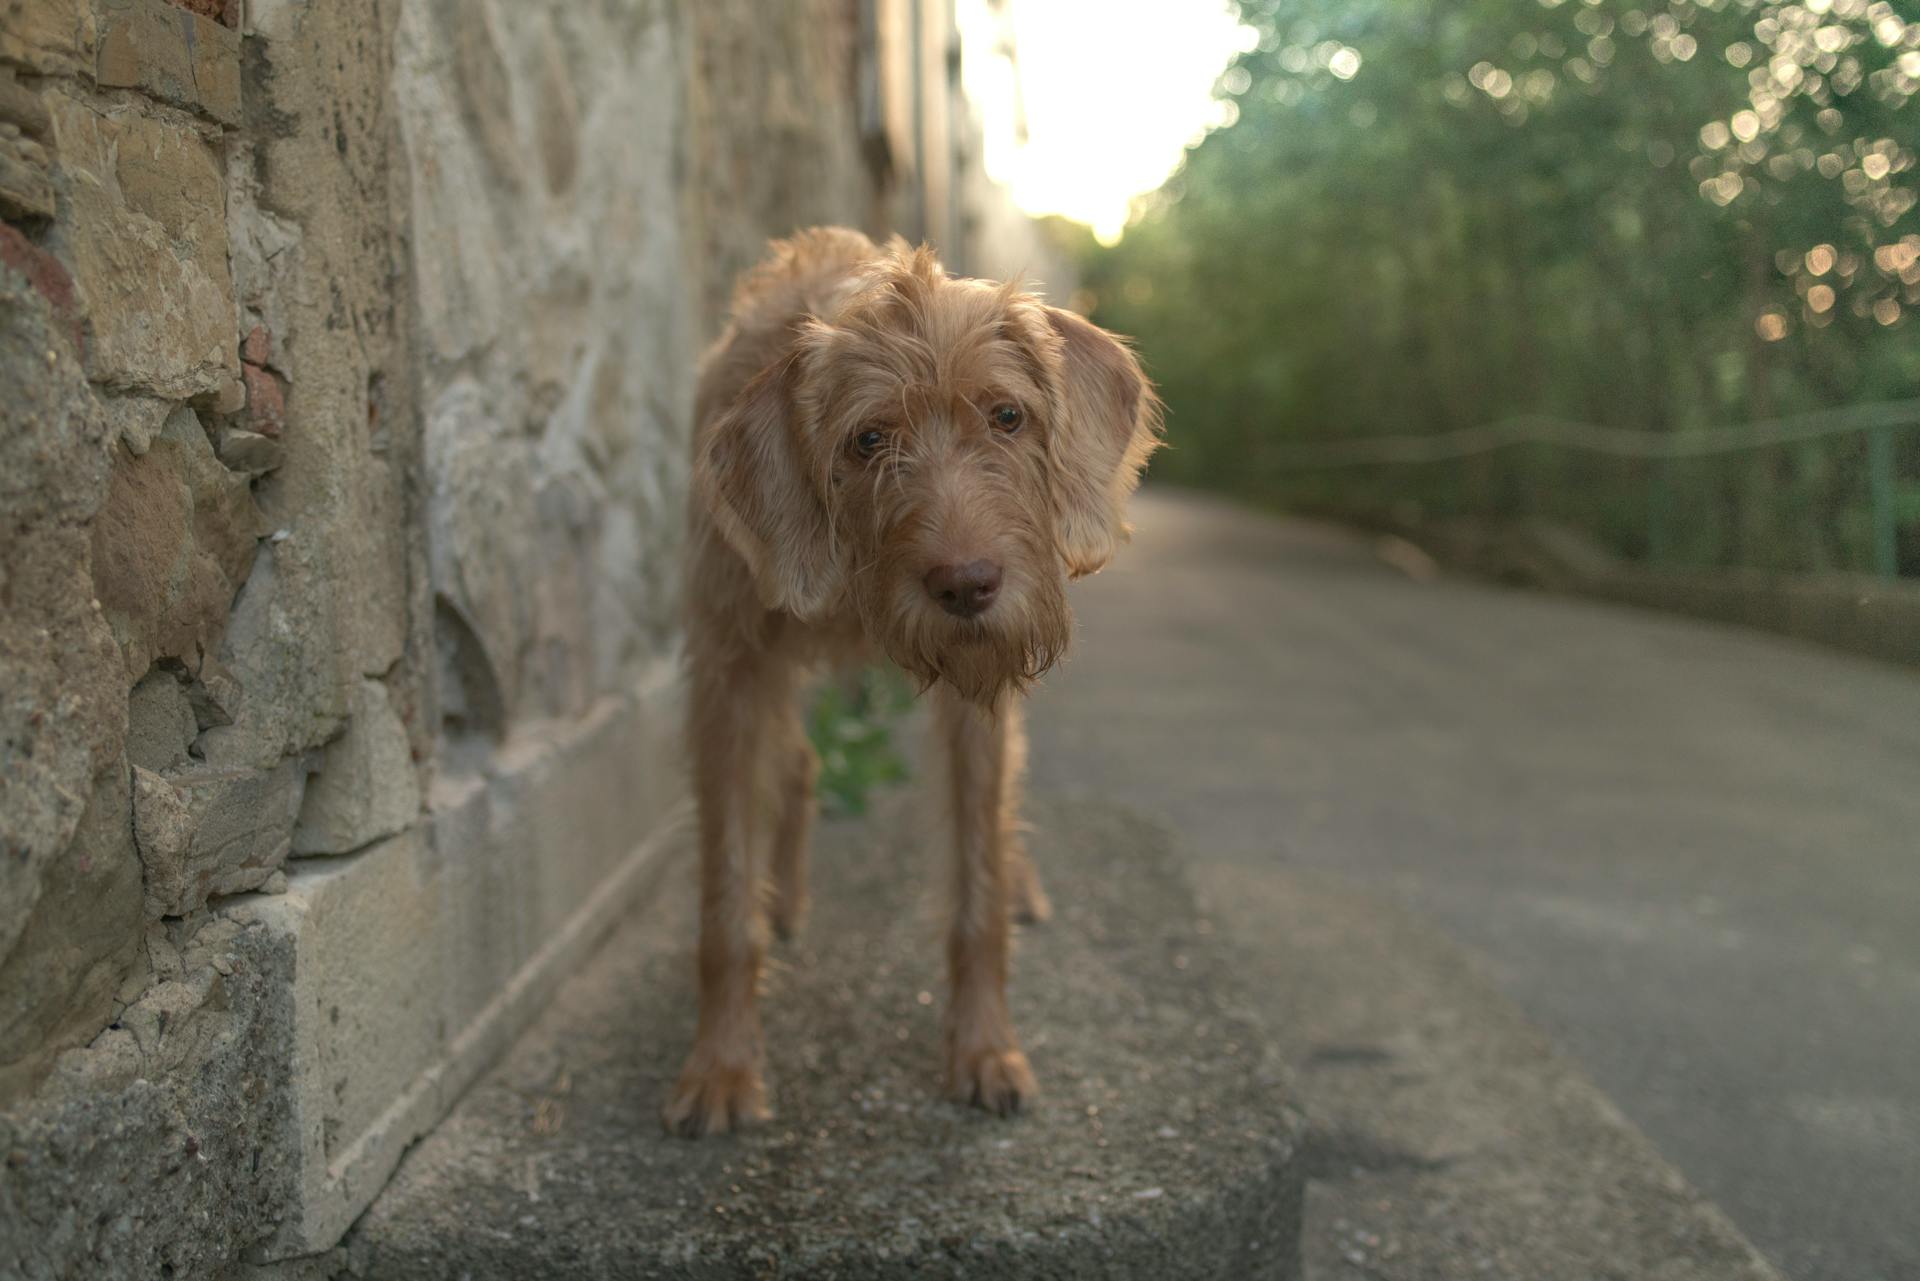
(836, 640)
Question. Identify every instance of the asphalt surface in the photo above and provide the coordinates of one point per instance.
(1690, 853)
(1446, 1138)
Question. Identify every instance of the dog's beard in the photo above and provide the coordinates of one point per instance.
(983, 659)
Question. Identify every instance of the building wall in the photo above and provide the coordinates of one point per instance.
(347, 359)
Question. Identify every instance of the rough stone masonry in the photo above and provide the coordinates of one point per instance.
(345, 365)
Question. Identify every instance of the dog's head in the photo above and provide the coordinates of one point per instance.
(942, 454)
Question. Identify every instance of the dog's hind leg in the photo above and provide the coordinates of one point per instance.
(1024, 891)
(735, 701)
(1031, 906)
(798, 767)
(984, 1063)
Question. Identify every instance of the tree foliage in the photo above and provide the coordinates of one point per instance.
(1655, 214)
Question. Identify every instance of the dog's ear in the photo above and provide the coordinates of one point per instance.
(751, 473)
(1107, 423)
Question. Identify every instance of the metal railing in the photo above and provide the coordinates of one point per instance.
(1877, 423)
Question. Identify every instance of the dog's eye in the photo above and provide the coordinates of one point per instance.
(868, 442)
(1007, 418)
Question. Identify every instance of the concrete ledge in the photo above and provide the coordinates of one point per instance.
(417, 961)
(1162, 1146)
(137, 1176)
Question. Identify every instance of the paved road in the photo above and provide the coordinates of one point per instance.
(1691, 853)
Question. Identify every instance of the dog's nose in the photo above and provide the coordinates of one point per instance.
(964, 590)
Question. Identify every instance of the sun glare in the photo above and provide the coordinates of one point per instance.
(1086, 104)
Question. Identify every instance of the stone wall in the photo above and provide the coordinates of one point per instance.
(347, 359)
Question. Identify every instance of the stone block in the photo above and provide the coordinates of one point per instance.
(144, 231)
(257, 347)
(214, 694)
(230, 398)
(69, 880)
(226, 11)
(315, 249)
(367, 786)
(208, 831)
(62, 712)
(76, 946)
(486, 86)
(171, 546)
(161, 725)
(249, 451)
(21, 106)
(559, 120)
(556, 461)
(132, 1166)
(171, 53)
(549, 792)
(135, 421)
(280, 651)
(419, 958)
(26, 189)
(482, 530)
(51, 36)
(47, 276)
(370, 966)
(266, 402)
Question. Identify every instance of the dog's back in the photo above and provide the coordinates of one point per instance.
(800, 277)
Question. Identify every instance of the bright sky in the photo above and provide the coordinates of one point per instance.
(1113, 92)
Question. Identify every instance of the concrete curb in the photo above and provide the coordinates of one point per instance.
(1163, 1145)
(417, 961)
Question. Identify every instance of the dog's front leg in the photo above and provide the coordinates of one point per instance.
(984, 1062)
(732, 707)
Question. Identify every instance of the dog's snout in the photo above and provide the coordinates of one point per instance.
(964, 590)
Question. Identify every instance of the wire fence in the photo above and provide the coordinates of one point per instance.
(1825, 471)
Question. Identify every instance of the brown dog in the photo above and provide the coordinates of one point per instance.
(885, 456)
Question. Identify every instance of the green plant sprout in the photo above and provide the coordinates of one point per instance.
(851, 726)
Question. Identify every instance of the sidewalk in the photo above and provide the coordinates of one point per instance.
(1443, 1137)
(1162, 1146)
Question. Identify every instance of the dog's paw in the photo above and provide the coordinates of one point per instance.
(1027, 896)
(713, 1100)
(995, 1078)
(788, 912)
(1031, 906)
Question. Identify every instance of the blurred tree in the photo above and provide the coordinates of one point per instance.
(1654, 214)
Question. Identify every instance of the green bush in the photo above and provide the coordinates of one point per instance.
(1656, 215)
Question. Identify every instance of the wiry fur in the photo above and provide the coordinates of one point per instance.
(804, 549)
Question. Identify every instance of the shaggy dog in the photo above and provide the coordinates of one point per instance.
(886, 457)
